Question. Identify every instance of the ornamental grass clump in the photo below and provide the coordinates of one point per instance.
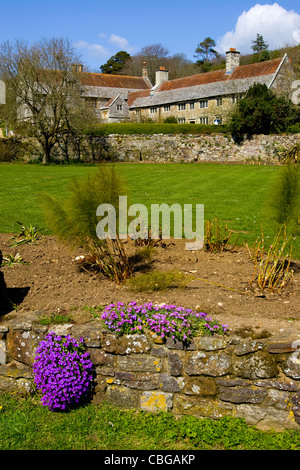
(173, 321)
(62, 371)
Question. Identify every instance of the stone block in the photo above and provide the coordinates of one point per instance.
(284, 343)
(210, 343)
(22, 344)
(175, 364)
(168, 383)
(200, 386)
(90, 332)
(129, 344)
(122, 397)
(139, 363)
(156, 401)
(206, 363)
(3, 353)
(291, 367)
(99, 357)
(201, 407)
(242, 394)
(16, 370)
(259, 365)
(247, 347)
(180, 345)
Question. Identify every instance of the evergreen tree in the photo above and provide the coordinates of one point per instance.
(259, 44)
(115, 64)
(262, 112)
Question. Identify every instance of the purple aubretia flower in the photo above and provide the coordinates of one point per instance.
(62, 371)
(165, 320)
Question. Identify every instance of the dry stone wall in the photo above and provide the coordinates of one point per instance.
(161, 148)
(257, 379)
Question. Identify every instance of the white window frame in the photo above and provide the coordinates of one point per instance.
(203, 104)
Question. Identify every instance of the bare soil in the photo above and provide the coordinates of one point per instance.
(53, 282)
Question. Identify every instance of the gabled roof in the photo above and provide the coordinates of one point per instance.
(243, 71)
(110, 102)
(113, 81)
(205, 85)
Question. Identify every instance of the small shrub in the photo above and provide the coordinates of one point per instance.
(158, 281)
(284, 198)
(216, 237)
(272, 269)
(173, 321)
(26, 235)
(62, 371)
(74, 221)
(11, 149)
(11, 260)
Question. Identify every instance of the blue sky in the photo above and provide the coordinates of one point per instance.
(100, 28)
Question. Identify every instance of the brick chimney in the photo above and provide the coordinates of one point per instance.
(161, 76)
(232, 60)
(77, 67)
(144, 70)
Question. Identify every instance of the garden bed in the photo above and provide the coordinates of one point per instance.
(53, 283)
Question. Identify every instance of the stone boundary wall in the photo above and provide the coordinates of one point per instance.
(161, 148)
(257, 379)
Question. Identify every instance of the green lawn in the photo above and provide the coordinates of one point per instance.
(236, 194)
(26, 425)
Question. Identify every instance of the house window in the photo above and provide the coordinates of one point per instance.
(92, 103)
(167, 108)
(181, 120)
(219, 101)
(236, 98)
(119, 107)
(203, 120)
(192, 105)
(153, 110)
(204, 104)
(181, 107)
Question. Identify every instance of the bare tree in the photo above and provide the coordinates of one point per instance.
(43, 91)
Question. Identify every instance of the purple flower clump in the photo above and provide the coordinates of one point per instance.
(62, 371)
(165, 320)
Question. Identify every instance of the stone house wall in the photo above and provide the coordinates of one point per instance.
(257, 379)
(190, 111)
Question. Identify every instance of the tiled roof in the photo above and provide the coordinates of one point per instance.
(110, 102)
(205, 85)
(243, 71)
(113, 81)
(137, 94)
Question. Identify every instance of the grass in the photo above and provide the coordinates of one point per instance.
(26, 425)
(235, 194)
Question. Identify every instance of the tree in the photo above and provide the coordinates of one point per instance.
(154, 55)
(44, 95)
(262, 112)
(116, 63)
(259, 45)
(205, 51)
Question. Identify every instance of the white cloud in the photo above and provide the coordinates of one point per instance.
(278, 27)
(121, 43)
(94, 50)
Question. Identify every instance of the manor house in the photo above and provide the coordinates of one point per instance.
(205, 98)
